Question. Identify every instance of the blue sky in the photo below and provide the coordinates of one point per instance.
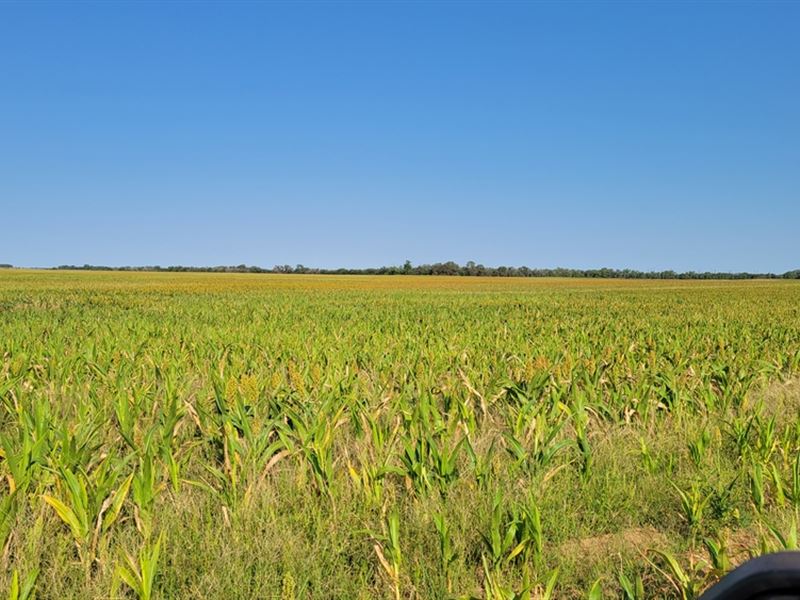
(640, 135)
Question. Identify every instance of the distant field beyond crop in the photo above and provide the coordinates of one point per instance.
(288, 436)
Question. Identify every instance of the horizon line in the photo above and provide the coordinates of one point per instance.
(448, 268)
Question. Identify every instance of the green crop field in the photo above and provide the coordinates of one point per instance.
(268, 436)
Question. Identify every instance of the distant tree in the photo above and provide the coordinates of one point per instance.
(470, 268)
(448, 268)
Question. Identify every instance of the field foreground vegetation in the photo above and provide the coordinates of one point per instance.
(267, 436)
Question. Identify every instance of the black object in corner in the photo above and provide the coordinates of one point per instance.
(768, 577)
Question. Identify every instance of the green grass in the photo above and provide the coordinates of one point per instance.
(241, 436)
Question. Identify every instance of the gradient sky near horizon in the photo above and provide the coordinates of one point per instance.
(639, 135)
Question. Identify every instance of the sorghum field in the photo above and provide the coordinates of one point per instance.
(268, 436)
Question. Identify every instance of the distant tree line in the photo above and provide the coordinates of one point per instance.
(451, 268)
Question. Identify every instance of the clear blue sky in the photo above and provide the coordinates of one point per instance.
(641, 135)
